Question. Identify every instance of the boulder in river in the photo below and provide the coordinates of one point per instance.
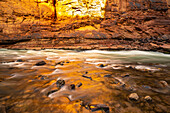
(72, 87)
(97, 107)
(101, 65)
(108, 75)
(19, 60)
(40, 63)
(60, 63)
(60, 83)
(148, 98)
(79, 84)
(164, 83)
(133, 96)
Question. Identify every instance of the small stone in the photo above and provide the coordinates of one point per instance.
(145, 86)
(40, 63)
(86, 77)
(133, 96)
(101, 65)
(72, 87)
(19, 60)
(107, 75)
(164, 83)
(67, 62)
(79, 84)
(60, 83)
(96, 107)
(125, 75)
(60, 63)
(42, 77)
(50, 92)
(148, 98)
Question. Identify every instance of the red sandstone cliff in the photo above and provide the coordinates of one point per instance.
(127, 24)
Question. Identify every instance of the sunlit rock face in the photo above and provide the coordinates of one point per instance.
(99, 8)
(80, 8)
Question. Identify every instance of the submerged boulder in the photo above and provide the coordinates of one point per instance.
(133, 96)
(19, 60)
(60, 83)
(79, 84)
(40, 63)
(72, 87)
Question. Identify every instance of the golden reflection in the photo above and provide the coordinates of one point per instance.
(75, 8)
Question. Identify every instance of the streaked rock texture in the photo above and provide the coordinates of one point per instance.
(127, 24)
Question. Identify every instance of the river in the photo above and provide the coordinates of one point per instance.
(94, 81)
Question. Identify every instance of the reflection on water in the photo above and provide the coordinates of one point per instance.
(94, 80)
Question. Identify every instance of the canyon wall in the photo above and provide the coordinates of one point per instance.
(126, 25)
(126, 5)
(29, 7)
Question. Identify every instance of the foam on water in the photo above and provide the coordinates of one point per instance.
(132, 52)
(90, 55)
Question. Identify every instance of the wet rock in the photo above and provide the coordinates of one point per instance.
(19, 60)
(131, 88)
(79, 84)
(146, 87)
(125, 75)
(50, 92)
(114, 81)
(164, 83)
(108, 75)
(86, 77)
(60, 83)
(40, 63)
(67, 62)
(60, 63)
(101, 65)
(97, 107)
(72, 87)
(133, 96)
(42, 77)
(148, 98)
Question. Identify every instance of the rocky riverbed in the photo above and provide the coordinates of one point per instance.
(51, 80)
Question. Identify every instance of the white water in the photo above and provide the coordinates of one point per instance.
(91, 56)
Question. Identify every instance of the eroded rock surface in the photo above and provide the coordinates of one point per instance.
(127, 25)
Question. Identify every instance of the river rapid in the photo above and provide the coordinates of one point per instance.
(92, 81)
